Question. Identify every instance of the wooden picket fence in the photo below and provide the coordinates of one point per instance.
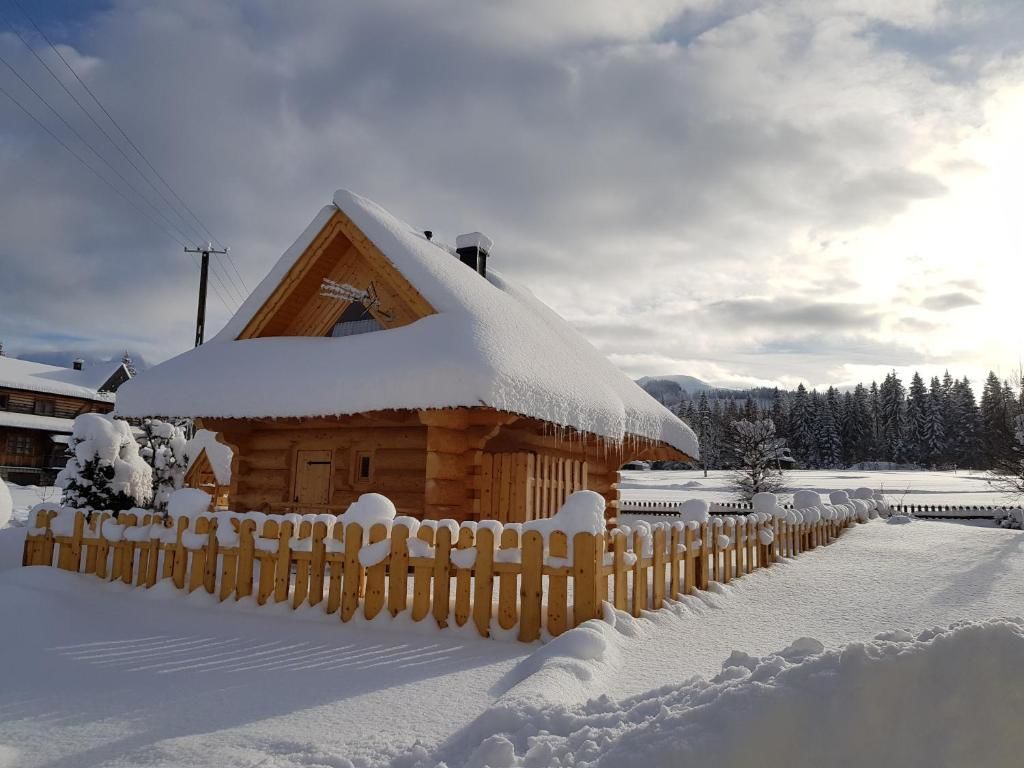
(495, 576)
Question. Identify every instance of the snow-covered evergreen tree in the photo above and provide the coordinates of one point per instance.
(936, 450)
(707, 434)
(163, 446)
(917, 414)
(755, 450)
(893, 418)
(963, 436)
(997, 438)
(803, 441)
(105, 471)
(826, 428)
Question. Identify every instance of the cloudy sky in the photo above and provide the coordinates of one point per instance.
(741, 191)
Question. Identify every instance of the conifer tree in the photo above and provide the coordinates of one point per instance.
(801, 423)
(917, 410)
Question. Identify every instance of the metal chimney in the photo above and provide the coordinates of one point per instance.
(473, 249)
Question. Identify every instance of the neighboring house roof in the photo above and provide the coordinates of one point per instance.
(204, 442)
(489, 343)
(32, 421)
(55, 380)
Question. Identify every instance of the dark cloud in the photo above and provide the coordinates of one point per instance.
(946, 301)
(790, 313)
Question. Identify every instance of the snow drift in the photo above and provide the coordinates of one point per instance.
(947, 696)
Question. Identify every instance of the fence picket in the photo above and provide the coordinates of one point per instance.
(508, 577)
(463, 579)
(353, 571)
(442, 579)
(398, 571)
(532, 588)
(376, 575)
(558, 598)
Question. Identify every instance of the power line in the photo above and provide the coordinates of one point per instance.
(170, 229)
(102, 178)
(131, 143)
(88, 114)
(90, 147)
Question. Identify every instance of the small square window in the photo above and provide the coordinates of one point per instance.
(362, 467)
(3, 402)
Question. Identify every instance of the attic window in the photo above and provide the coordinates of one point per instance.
(354, 320)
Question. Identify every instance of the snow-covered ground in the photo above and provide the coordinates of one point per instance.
(900, 487)
(100, 675)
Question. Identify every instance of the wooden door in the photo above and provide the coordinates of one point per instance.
(313, 477)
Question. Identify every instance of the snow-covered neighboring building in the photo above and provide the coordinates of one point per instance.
(372, 358)
(38, 405)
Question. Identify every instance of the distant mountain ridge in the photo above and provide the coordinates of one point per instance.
(690, 383)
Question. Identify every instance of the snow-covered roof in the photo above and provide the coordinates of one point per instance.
(55, 380)
(32, 421)
(490, 343)
(218, 454)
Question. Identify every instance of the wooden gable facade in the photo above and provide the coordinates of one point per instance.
(462, 463)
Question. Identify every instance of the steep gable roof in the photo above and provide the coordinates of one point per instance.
(487, 343)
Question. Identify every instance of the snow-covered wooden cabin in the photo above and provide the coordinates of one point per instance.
(372, 358)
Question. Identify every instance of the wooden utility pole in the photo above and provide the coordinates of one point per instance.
(204, 272)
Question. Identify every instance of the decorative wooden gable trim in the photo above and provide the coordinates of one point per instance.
(342, 253)
(201, 472)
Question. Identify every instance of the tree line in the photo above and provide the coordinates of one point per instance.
(940, 424)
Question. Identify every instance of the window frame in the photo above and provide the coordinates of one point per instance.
(359, 456)
(44, 406)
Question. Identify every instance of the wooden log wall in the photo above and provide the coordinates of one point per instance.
(509, 580)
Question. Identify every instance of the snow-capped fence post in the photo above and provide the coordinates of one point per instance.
(620, 595)
(179, 560)
(752, 541)
(558, 599)
(423, 569)
(334, 558)
(246, 557)
(103, 546)
(376, 575)
(352, 572)
(283, 570)
(508, 575)
(658, 568)
(483, 586)
(398, 575)
(585, 558)
(640, 564)
(673, 559)
(463, 576)
(317, 567)
(689, 561)
(532, 584)
(442, 578)
(210, 566)
(267, 555)
(301, 553)
(128, 546)
(704, 559)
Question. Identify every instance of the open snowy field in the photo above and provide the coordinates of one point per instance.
(900, 487)
(95, 674)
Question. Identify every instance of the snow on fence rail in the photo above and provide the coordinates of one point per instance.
(505, 579)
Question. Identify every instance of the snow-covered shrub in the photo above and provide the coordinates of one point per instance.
(6, 504)
(105, 470)
(163, 446)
